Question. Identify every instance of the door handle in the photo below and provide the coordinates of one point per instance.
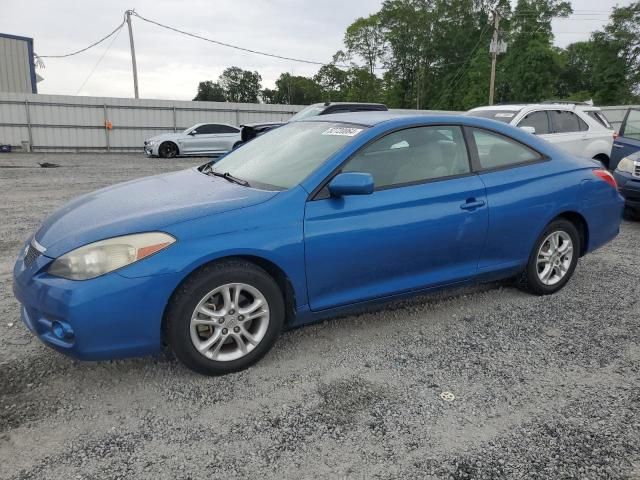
(472, 204)
(617, 145)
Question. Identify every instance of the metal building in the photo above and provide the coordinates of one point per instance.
(17, 71)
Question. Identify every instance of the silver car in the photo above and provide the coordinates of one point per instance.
(201, 139)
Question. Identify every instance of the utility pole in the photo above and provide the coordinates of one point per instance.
(133, 54)
(494, 54)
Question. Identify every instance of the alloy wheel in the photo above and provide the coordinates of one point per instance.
(554, 257)
(229, 322)
(168, 150)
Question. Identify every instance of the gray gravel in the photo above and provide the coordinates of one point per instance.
(544, 387)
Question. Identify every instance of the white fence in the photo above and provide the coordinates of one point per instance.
(615, 114)
(50, 123)
(68, 123)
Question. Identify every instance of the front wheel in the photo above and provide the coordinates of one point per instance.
(167, 150)
(553, 259)
(225, 318)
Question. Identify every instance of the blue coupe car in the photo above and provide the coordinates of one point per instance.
(314, 219)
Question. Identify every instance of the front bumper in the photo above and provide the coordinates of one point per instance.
(150, 150)
(103, 318)
(629, 188)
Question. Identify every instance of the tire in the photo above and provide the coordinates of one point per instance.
(237, 145)
(531, 279)
(603, 159)
(187, 328)
(167, 150)
(631, 214)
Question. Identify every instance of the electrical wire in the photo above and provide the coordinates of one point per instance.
(460, 73)
(100, 59)
(86, 48)
(236, 47)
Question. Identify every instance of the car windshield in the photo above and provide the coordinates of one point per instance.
(310, 111)
(504, 116)
(283, 157)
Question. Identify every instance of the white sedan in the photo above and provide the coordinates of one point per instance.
(201, 139)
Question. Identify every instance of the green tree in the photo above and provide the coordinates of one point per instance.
(297, 90)
(365, 38)
(333, 82)
(240, 85)
(531, 67)
(210, 92)
(268, 95)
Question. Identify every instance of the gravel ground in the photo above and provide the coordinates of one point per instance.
(544, 388)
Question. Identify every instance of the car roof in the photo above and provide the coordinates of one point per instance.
(367, 119)
(507, 108)
(213, 123)
(542, 106)
(329, 104)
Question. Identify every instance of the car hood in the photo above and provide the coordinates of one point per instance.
(167, 136)
(142, 205)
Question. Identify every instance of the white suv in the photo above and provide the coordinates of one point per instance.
(580, 129)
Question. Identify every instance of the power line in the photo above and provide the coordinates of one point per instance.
(236, 47)
(86, 48)
(464, 68)
(100, 59)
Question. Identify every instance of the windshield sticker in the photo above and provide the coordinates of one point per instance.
(504, 115)
(342, 131)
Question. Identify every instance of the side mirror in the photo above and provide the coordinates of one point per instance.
(531, 130)
(193, 132)
(351, 183)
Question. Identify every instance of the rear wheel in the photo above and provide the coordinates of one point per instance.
(631, 213)
(237, 145)
(225, 318)
(167, 150)
(553, 259)
(603, 159)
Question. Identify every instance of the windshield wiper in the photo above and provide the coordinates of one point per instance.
(227, 176)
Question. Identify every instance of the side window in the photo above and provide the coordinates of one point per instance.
(582, 124)
(413, 155)
(564, 121)
(600, 118)
(632, 125)
(227, 129)
(495, 151)
(210, 128)
(537, 120)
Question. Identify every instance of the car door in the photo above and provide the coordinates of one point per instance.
(227, 136)
(569, 132)
(539, 120)
(628, 140)
(206, 138)
(514, 176)
(424, 225)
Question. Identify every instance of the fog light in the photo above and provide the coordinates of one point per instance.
(62, 330)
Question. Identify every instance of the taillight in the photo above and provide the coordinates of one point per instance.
(615, 135)
(606, 176)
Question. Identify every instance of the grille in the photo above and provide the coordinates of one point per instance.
(636, 172)
(31, 256)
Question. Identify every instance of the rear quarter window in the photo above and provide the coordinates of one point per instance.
(600, 118)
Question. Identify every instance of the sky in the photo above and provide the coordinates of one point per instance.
(170, 65)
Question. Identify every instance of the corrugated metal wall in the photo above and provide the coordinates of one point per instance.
(15, 64)
(615, 114)
(69, 123)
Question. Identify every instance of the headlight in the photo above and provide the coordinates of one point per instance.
(151, 143)
(105, 256)
(626, 165)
